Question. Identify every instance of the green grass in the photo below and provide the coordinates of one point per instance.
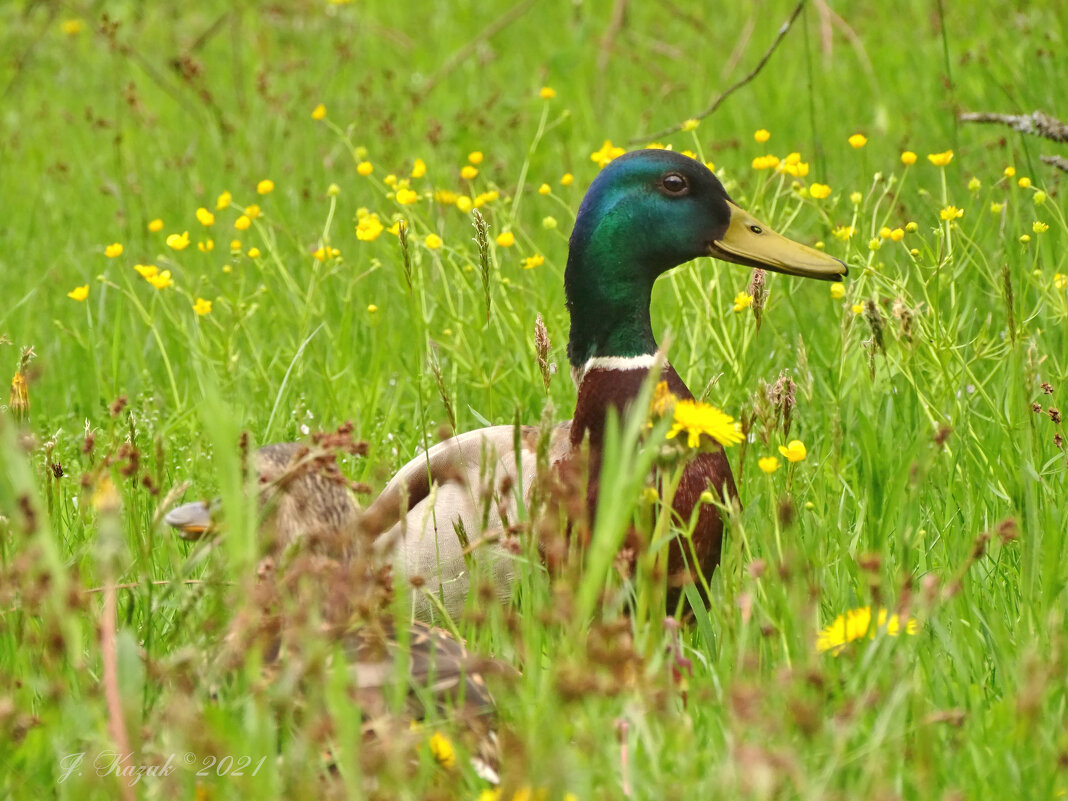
(100, 133)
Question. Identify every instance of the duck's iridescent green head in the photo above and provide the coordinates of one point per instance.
(649, 211)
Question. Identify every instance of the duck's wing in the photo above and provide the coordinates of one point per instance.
(441, 516)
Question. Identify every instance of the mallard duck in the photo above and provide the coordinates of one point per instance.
(646, 213)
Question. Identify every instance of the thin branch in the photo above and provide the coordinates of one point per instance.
(735, 86)
(1036, 123)
(1060, 162)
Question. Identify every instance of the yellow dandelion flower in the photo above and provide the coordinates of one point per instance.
(202, 307)
(160, 280)
(762, 135)
(475, 157)
(442, 750)
(769, 464)
(319, 113)
(156, 225)
(147, 271)
(418, 168)
(205, 217)
(505, 239)
(819, 191)
(567, 179)
(607, 153)
(908, 158)
(857, 141)
(544, 189)
(1008, 172)
(407, 197)
(951, 213)
(897, 235)
(857, 624)
(433, 241)
(531, 262)
(464, 203)
(365, 168)
(1039, 227)
(79, 293)
(838, 291)
(253, 212)
(940, 159)
(698, 419)
(207, 246)
(794, 451)
(71, 27)
(1024, 183)
(468, 172)
(265, 187)
(178, 241)
(546, 93)
(223, 201)
(742, 301)
(114, 250)
(253, 253)
(690, 124)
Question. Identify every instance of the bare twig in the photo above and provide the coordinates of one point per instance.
(1060, 162)
(736, 85)
(1036, 123)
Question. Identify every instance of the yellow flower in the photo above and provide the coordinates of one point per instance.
(333, 190)
(897, 235)
(843, 232)
(795, 451)
(265, 187)
(253, 253)
(819, 191)
(79, 293)
(884, 232)
(1060, 281)
(442, 750)
(445, 197)
(765, 162)
(762, 136)
(72, 27)
(371, 308)
(698, 419)
(908, 158)
(951, 213)
(838, 291)
(468, 172)
(235, 244)
(544, 189)
(319, 113)
(156, 225)
(207, 246)
(857, 141)
(252, 212)
(433, 241)
(485, 197)
(531, 262)
(855, 198)
(114, 250)
(742, 301)
(974, 184)
(475, 157)
(418, 168)
(506, 239)
(995, 208)
(224, 200)
(547, 93)
(711, 165)
(147, 271)
(940, 159)
(464, 203)
(1024, 183)
(606, 154)
(1039, 227)
(395, 228)
(912, 227)
(205, 217)
(390, 180)
(160, 280)
(1009, 172)
(874, 244)
(856, 624)
(407, 196)
(567, 179)
(365, 168)
(1039, 198)
(690, 124)
(858, 308)
(1025, 239)
(202, 307)
(178, 241)
(769, 464)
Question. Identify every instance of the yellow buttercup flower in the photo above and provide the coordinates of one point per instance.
(1039, 227)
(1038, 198)
(475, 156)
(319, 113)
(607, 153)
(468, 173)
(843, 232)
(433, 241)
(235, 244)
(71, 27)
(406, 196)
(506, 239)
(79, 293)
(464, 203)
(698, 419)
(742, 301)
(912, 227)
(837, 291)
(160, 280)
(858, 308)
(951, 213)
(1025, 239)
(202, 307)
(690, 124)
(1060, 281)
(253, 253)
(940, 159)
(567, 179)
(1024, 183)
(547, 93)
(147, 271)
(884, 232)
(483, 198)
(769, 464)
(897, 235)
(223, 201)
(418, 168)
(765, 162)
(857, 141)
(531, 262)
(205, 217)
(855, 198)
(207, 246)
(446, 197)
(371, 308)
(974, 185)
(908, 158)
(857, 624)
(265, 187)
(114, 250)
(762, 136)
(996, 208)
(544, 189)
(252, 212)
(794, 451)
(178, 241)
(365, 168)
(156, 225)
(819, 191)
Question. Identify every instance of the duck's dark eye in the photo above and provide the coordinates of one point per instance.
(756, 229)
(674, 184)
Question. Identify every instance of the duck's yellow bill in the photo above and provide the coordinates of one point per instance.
(748, 241)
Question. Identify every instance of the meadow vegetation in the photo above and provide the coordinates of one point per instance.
(201, 251)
